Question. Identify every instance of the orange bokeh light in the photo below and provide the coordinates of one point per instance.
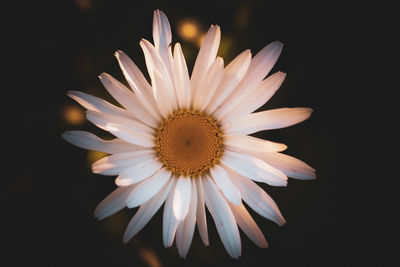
(73, 114)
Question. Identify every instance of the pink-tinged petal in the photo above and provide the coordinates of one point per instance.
(181, 78)
(138, 172)
(244, 143)
(185, 231)
(113, 203)
(248, 225)
(226, 186)
(268, 120)
(289, 165)
(255, 98)
(206, 89)
(148, 188)
(233, 74)
(95, 103)
(254, 168)
(117, 163)
(224, 220)
(127, 99)
(90, 141)
(201, 219)
(208, 52)
(170, 223)
(146, 212)
(138, 83)
(182, 197)
(257, 198)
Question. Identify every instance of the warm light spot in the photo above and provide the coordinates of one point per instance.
(189, 143)
(93, 156)
(83, 4)
(189, 30)
(73, 114)
(150, 257)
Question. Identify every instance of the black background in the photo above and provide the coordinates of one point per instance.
(332, 54)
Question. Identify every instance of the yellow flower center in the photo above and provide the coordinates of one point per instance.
(189, 142)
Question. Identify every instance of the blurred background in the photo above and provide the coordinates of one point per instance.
(331, 54)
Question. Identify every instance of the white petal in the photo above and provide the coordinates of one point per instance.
(207, 88)
(181, 78)
(224, 220)
(138, 83)
(268, 120)
(208, 52)
(90, 141)
(245, 143)
(185, 231)
(117, 163)
(170, 223)
(232, 75)
(259, 67)
(97, 104)
(226, 186)
(138, 172)
(162, 83)
(254, 168)
(128, 99)
(257, 198)
(248, 225)
(101, 120)
(113, 203)
(148, 188)
(146, 212)
(291, 166)
(255, 97)
(181, 199)
(162, 38)
(201, 219)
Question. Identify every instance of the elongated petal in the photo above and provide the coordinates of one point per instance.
(268, 120)
(162, 38)
(128, 99)
(181, 78)
(226, 186)
(201, 218)
(138, 172)
(182, 197)
(101, 120)
(254, 97)
(90, 141)
(289, 165)
(257, 198)
(208, 52)
(185, 230)
(146, 212)
(259, 67)
(254, 168)
(207, 88)
(148, 188)
(248, 225)
(113, 203)
(170, 223)
(116, 164)
(138, 83)
(97, 104)
(245, 143)
(224, 220)
(162, 83)
(233, 74)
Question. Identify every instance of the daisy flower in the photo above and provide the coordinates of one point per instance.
(185, 141)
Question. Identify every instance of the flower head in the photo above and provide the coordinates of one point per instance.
(184, 142)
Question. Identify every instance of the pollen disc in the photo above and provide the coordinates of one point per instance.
(189, 142)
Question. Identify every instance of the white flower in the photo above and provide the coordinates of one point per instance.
(185, 141)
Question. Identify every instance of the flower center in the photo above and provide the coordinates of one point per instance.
(189, 143)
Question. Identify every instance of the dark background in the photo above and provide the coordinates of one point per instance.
(332, 54)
